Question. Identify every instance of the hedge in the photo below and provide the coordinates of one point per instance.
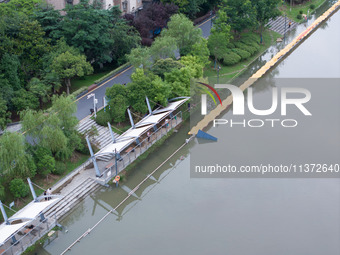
(252, 50)
(231, 58)
(242, 53)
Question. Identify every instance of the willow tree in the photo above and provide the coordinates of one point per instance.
(13, 159)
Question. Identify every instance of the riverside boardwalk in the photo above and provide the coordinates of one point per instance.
(264, 69)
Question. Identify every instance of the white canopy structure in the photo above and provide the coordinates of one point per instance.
(33, 209)
(171, 106)
(116, 147)
(6, 231)
(133, 133)
(27, 214)
(152, 119)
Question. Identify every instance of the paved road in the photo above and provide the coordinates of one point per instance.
(84, 105)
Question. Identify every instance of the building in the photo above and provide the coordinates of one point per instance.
(126, 6)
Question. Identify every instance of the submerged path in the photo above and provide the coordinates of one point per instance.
(264, 69)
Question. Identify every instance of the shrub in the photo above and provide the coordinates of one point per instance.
(230, 45)
(312, 6)
(299, 16)
(103, 118)
(301, 11)
(242, 53)
(246, 47)
(231, 58)
(250, 42)
(60, 168)
(18, 188)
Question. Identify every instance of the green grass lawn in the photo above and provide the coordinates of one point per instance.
(85, 81)
(293, 11)
(227, 73)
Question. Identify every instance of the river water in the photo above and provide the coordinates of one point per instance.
(175, 214)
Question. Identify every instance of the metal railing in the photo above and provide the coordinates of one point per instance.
(26, 240)
(139, 149)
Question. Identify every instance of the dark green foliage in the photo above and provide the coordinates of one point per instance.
(301, 12)
(103, 118)
(312, 6)
(60, 168)
(231, 58)
(299, 16)
(44, 161)
(18, 188)
(250, 42)
(242, 53)
(245, 47)
(163, 66)
(2, 192)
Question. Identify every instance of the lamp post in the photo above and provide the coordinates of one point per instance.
(94, 103)
(218, 74)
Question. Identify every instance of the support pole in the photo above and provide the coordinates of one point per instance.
(93, 158)
(4, 215)
(111, 133)
(116, 162)
(32, 190)
(130, 117)
(148, 103)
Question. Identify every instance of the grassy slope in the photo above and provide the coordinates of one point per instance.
(293, 11)
(227, 73)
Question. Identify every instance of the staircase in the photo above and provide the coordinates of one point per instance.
(278, 25)
(63, 206)
(102, 139)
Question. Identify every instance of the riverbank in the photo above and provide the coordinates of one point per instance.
(228, 73)
(295, 12)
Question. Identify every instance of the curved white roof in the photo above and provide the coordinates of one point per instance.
(133, 133)
(6, 231)
(152, 119)
(118, 146)
(171, 106)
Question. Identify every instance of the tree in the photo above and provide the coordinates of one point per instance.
(149, 85)
(118, 106)
(163, 47)
(184, 31)
(23, 7)
(201, 51)
(23, 99)
(13, 160)
(163, 66)
(50, 20)
(65, 108)
(265, 10)
(189, 7)
(44, 161)
(125, 39)
(39, 89)
(140, 57)
(240, 13)
(220, 36)
(18, 188)
(68, 65)
(217, 45)
(4, 115)
(153, 18)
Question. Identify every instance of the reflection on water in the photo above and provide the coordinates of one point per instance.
(171, 213)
